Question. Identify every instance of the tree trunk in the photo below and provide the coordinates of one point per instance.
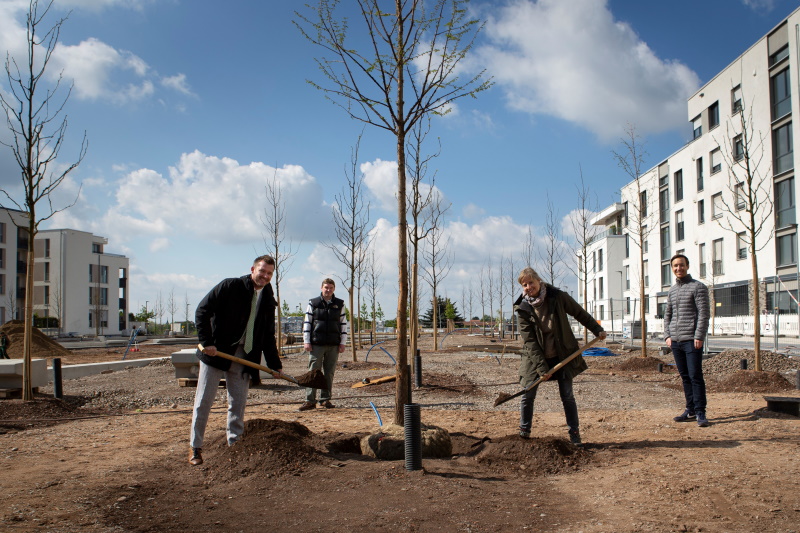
(27, 387)
(756, 312)
(642, 314)
(352, 320)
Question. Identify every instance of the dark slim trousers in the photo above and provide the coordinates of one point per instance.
(689, 361)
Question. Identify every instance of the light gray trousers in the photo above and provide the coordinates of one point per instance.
(237, 385)
(322, 358)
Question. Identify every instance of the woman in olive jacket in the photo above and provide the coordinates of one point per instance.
(548, 339)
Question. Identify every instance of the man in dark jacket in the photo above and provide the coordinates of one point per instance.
(324, 337)
(685, 328)
(237, 317)
(547, 340)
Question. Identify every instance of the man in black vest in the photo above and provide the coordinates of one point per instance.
(324, 337)
(237, 317)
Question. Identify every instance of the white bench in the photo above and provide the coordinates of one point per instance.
(11, 373)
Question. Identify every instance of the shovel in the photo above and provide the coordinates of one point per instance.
(314, 379)
(503, 397)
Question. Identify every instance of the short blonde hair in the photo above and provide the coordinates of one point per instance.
(528, 273)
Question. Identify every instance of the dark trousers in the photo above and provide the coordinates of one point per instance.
(567, 399)
(689, 361)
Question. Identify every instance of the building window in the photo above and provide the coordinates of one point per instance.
(627, 277)
(741, 246)
(646, 304)
(2, 257)
(736, 99)
(103, 274)
(666, 277)
(713, 116)
(103, 295)
(717, 267)
(787, 253)
(665, 243)
(663, 180)
(627, 245)
(740, 196)
(679, 234)
(600, 285)
(2, 283)
(701, 212)
(697, 127)
(717, 207)
(97, 248)
(738, 148)
(626, 214)
(47, 247)
(663, 203)
(600, 260)
(716, 161)
(701, 251)
(781, 54)
(2, 232)
(645, 246)
(47, 295)
(780, 94)
(594, 261)
(627, 305)
(784, 203)
(46, 271)
(782, 148)
(91, 274)
(699, 165)
(678, 185)
(642, 205)
(646, 273)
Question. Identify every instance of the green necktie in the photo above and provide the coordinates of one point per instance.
(251, 321)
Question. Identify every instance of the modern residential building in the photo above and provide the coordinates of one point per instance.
(77, 281)
(742, 123)
(13, 263)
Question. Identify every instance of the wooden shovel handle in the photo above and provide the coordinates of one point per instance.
(553, 370)
(250, 364)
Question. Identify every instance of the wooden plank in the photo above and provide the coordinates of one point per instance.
(378, 381)
(192, 382)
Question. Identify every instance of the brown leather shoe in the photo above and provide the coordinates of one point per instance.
(327, 404)
(195, 456)
(307, 406)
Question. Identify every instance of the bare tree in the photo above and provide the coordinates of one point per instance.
(413, 51)
(38, 131)
(274, 222)
(419, 209)
(57, 300)
(528, 247)
(438, 259)
(186, 316)
(466, 303)
(483, 293)
(490, 283)
(501, 292)
(749, 206)
(158, 309)
(350, 219)
(551, 252)
(11, 301)
(172, 307)
(639, 210)
(374, 285)
(511, 273)
(584, 233)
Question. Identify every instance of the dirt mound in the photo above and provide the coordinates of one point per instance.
(363, 365)
(531, 457)
(640, 364)
(42, 346)
(729, 361)
(18, 414)
(751, 381)
(268, 447)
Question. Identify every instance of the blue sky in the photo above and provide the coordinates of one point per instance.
(191, 106)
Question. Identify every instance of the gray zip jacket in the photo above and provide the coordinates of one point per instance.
(686, 317)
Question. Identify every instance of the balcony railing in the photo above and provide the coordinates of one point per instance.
(610, 232)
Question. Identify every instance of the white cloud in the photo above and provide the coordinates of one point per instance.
(178, 83)
(472, 211)
(380, 177)
(157, 245)
(206, 197)
(545, 56)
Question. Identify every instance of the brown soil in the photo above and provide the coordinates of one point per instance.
(639, 470)
(41, 344)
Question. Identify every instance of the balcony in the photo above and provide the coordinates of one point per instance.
(613, 231)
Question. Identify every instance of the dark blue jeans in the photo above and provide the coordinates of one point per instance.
(689, 361)
(567, 399)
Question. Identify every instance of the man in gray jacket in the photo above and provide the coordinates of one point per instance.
(685, 327)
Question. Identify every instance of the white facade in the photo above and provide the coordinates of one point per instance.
(13, 263)
(694, 196)
(78, 282)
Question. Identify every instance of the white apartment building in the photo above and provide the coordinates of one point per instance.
(78, 282)
(13, 264)
(689, 202)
